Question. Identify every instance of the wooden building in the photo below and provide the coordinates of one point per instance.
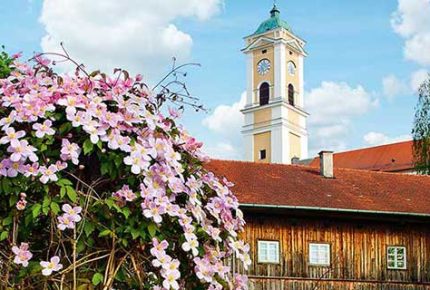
(358, 230)
(309, 228)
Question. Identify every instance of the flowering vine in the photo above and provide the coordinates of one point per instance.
(116, 193)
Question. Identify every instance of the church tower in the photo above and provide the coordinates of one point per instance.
(275, 121)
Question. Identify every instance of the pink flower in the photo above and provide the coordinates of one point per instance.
(174, 113)
(21, 204)
(170, 281)
(16, 55)
(31, 170)
(115, 141)
(22, 151)
(43, 129)
(158, 247)
(95, 131)
(153, 211)
(22, 254)
(71, 103)
(4, 164)
(65, 222)
(42, 60)
(161, 259)
(191, 244)
(138, 159)
(52, 266)
(72, 212)
(125, 193)
(240, 282)
(12, 137)
(78, 119)
(7, 121)
(13, 168)
(48, 174)
(70, 151)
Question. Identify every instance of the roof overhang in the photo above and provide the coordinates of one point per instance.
(330, 209)
(291, 43)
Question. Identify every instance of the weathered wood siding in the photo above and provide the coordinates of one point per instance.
(358, 253)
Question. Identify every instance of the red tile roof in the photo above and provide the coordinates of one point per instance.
(391, 158)
(303, 186)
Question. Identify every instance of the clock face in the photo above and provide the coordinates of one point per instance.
(263, 66)
(291, 68)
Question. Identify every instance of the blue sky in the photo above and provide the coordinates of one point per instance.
(357, 76)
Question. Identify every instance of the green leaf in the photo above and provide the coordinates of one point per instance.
(104, 233)
(110, 203)
(4, 235)
(7, 221)
(126, 212)
(89, 228)
(64, 182)
(35, 209)
(135, 233)
(65, 127)
(100, 145)
(45, 205)
(62, 192)
(88, 147)
(55, 207)
(71, 193)
(97, 279)
(152, 229)
(43, 148)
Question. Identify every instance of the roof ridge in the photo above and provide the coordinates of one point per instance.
(374, 147)
(359, 171)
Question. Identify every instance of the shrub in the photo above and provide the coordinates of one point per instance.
(100, 188)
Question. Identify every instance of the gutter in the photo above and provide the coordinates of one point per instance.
(330, 209)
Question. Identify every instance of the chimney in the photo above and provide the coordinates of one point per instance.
(326, 164)
(295, 160)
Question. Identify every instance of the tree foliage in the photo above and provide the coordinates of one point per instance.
(421, 129)
(5, 63)
(99, 188)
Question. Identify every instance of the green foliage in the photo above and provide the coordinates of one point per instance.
(421, 130)
(5, 63)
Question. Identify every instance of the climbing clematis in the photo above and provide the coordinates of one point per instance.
(72, 212)
(43, 129)
(48, 174)
(22, 254)
(12, 137)
(52, 266)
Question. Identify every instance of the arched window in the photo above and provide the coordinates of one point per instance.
(291, 94)
(264, 94)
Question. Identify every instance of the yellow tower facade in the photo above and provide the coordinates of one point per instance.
(275, 121)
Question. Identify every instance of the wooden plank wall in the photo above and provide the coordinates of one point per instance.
(358, 251)
(279, 284)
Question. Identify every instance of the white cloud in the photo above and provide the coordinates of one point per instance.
(417, 78)
(393, 87)
(377, 138)
(222, 150)
(226, 122)
(137, 35)
(332, 107)
(412, 22)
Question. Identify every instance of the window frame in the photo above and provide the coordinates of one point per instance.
(269, 242)
(261, 151)
(289, 64)
(291, 95)
(266, 100)
(319, 244)
(405, 256)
